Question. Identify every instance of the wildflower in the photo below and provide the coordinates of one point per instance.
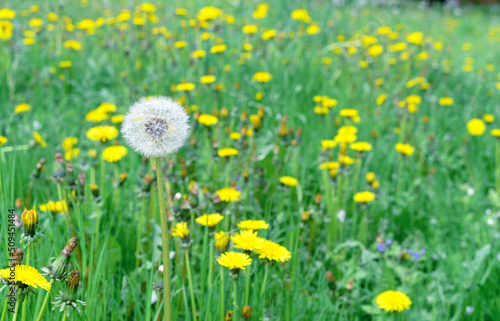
(393, 301)
(198, 54)
(375, 50)
(39, 140)
(370, 177)
(232, 136)
(256, 121)
(329, 165)
(207, 120)
(227, 152)
(6, 28)
(180, 230)
(207, 79)
(289, 181)
(253, 225)
(117, 119)
(404, 149)
(73, 44)
(328, 144)
(58, 267)
(247, 240)
(301, 15)
(364, 197)
(250, 29)
(476, 127)
(113, 154)
(30, 221)
(53, 207)
(3, 140)
(65, 64)
(262, 77)
(361, 147)
(69, 142)
(313, 29)
(221, 241)
(71, 153)
(415, 38)
(273, 252)
(187, 86)
(106, 108)
(228, 194)
(67, 299)
(218, 48)
(246, 312)
(156, 127)
(26, 276)
(210, 220)
(102, 133)
(6, 13)
(269, 34)
(22, 108)
(235, 261)
(494, 132)
(208, 13)
(96, 116)
(180, 44)
(446, 101)
(488, 118)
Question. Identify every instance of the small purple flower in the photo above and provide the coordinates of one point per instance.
(381, 247)
(388, 241)
(416, 256)
(239, 189)
(410, 251)
(238, 178)
(422, 252)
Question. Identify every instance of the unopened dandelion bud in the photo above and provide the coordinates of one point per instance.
(72, 286)
(19, 202)
(59, 169)
(30, 221)
(16, 257)
(123, 178)
(374, 133)
(317, 198)
(59, 267)
(81, 179)
(192, 142)
(244, 116)
(283, 130)
(229, 316)
(329, 277)
(70, 178)
(261, 112)
(92, 153)
(305, 216)
(38, 170)
(95, 192)
(224, 112)
(246, 312)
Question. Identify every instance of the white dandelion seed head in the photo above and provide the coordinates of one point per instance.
(156, 126)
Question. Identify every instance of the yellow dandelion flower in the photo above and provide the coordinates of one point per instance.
(102, 133)
(96, 116)
(180, 230)
(22, 108)
(476, 127)
(253, 225)
(289, 181)
(187, 86)
(228, 194)
(262, 77)
(329, 165)
(328, 144)
(445, 101)
(370, 177)
(208, 79)
(488, 118)
(234, 260)
(71, 153)
(391, 301)
(218, 48)
(39, 140)
(364, 197)
(69, 142)
(3, 140)
(235, 136)
(250, 29)
(27, 275)
(301, 15)
(106, 108)
(117, 119)
(269, 34)
(361, 147)
(227, 152)
(210, 220)
(207, 119)
(113, 154)
(405, 149)
(221, 241)
(273, 252)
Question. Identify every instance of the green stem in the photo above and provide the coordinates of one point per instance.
(65, 315)
(16, 310)
(497, 165)
(4, 311)
(24, 311)
(222, 288)
(247, 285)
(165, 240)
(235, 301)
(45, 302)
(265, 279)
(103, 179)
(190, 281)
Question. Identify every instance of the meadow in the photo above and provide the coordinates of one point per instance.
(341, 162)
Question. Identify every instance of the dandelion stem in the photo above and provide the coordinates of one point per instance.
(165, 246)
(16, 310)
(45, 302)
(190, 281)
(222, 288)
(247, 284)
(497, 165)
(235, 301)
(4, 311)
(266, 265)
(65, 315)
(25, 301)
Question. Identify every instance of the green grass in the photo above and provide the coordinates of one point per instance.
(456, 279)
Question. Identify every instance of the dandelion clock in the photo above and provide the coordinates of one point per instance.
(156, 127)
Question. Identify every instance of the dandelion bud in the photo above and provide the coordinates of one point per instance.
(221, 241)
(72, 286)
(246, 312)
(229, 316)
(305, 216)
(81, 179)
(30, 221)
(38, 170)
(256, 121)
(59, 268)
(70, 178)
(215, 112)
(59, 169)
(329, 277)
(224, 112)
(317, 198)
(19, 202)
(374, 133)
(95, 192)
(244, 116)
(16, 257)
(92, 153)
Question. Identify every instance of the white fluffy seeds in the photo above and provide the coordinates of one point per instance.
(156, 126)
